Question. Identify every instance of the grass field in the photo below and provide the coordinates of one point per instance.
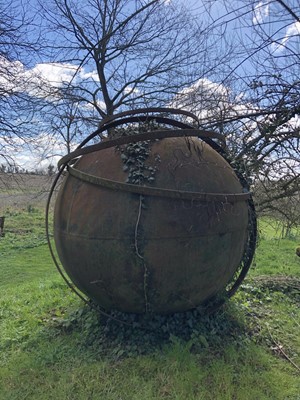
(54, 347)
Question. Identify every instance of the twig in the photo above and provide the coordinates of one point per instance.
(296, 322)
(280, 348)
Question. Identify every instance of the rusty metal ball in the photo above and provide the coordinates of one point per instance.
(139, 254)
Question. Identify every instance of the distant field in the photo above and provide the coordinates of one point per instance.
(23, 190)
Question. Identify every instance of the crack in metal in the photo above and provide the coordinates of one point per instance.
(137, 251)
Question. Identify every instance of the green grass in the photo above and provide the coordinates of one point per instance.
(276, 255)
(54, 347)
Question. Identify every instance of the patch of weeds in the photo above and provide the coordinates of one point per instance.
(125, 335)
(246, 320)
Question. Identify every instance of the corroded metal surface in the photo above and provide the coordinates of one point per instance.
(139, 253)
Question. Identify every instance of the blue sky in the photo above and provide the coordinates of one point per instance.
(263, 13)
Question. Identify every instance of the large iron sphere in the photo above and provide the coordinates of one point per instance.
(139, 254)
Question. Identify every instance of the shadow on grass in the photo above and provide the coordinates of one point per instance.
(125, 335)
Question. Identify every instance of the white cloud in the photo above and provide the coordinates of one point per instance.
(211, 101)
(89, 75)
(38, 81)
(54, 73)
(89, 106)
(36, 153)
(295, 122)
(205, 85)
(260, 12)
(204, 98)
(131, 90)
(9, 73)
(42, 79)
(291, 31)
(47, 76)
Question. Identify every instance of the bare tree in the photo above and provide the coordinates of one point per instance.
(67, 122)
(129, 52)
(18, 104)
